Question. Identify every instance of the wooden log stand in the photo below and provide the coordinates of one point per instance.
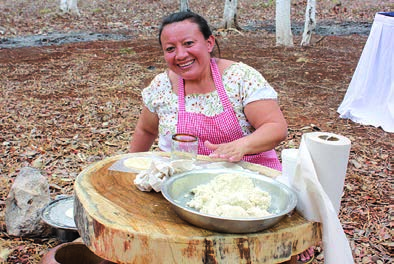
(124, 225)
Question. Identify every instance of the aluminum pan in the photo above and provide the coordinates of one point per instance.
(177, 191)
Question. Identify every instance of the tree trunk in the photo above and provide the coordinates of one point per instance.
(184, 6)
(310, 22)
(120, 223)
(69, 6)
(230, 14)
(284, 37)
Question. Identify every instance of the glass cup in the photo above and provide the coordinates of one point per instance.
(184, 147)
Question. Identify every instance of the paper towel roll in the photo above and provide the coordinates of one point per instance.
(330, 155)
(318, 183)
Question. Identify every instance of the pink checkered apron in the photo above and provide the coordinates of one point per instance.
(221, 128)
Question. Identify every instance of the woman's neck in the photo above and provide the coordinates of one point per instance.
(202, 86)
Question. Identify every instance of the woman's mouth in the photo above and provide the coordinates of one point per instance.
(186, 64)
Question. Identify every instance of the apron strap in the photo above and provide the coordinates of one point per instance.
(217, 79)
(181, 95)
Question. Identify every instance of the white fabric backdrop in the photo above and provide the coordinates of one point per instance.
(369, 99)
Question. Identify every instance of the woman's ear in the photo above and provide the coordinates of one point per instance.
(210, 43)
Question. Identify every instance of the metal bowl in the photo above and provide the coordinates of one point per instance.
(177, 190)
(59, 215)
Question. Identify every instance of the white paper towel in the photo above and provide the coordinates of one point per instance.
(330, 156)
(318, 180)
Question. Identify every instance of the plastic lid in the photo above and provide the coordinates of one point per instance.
(60, 213)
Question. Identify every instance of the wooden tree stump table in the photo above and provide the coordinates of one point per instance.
(120, 223)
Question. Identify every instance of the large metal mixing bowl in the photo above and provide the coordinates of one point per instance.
(177, 190)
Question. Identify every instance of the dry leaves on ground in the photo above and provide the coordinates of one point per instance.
(65, 107)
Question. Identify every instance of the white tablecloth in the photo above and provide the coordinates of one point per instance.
(369, 99)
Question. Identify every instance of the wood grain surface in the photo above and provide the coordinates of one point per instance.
(120, 223)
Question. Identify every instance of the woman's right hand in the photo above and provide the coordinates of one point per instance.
(232, 151)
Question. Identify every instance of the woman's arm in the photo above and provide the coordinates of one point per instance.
(145, 132)
(271, 128)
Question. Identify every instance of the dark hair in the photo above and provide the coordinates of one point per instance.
(193, 17)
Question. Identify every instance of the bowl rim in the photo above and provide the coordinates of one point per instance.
(52, 204)
(289, 208)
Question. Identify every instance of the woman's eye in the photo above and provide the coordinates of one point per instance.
(169, 49)
(189, 43)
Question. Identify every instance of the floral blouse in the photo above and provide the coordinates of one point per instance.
(243, 85)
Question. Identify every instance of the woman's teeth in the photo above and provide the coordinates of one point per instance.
(186, 64)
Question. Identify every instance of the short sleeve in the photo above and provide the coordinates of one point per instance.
(248, 83)
(160, 100)
(257, 88)
(158, 91)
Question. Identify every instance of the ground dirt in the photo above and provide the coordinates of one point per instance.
(66, 106)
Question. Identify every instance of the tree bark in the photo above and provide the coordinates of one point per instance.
(184, 6)
(284, 36)
(69, 6)
(230, 15)
(120, 223)
(310, 22)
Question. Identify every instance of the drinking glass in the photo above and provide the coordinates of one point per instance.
(184, 146)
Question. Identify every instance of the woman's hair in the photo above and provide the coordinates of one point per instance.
(194, 18)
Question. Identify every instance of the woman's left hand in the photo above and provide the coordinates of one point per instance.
(232, 151)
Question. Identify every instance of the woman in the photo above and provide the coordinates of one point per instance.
(228, 105)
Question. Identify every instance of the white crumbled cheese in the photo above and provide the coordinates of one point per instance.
(231, 195)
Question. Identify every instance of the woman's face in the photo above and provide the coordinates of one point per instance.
(186, 51)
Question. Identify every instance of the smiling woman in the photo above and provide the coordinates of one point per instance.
(228, 105)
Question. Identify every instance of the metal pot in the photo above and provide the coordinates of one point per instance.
(177, 191)
(59, 214)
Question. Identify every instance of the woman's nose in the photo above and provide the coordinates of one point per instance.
(181, 52)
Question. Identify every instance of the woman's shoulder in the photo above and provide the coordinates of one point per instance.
(229, 67)
(159, 81)
(159, 85)
(224, 64)
(243, 78)
(161, 78)
(158, 92)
